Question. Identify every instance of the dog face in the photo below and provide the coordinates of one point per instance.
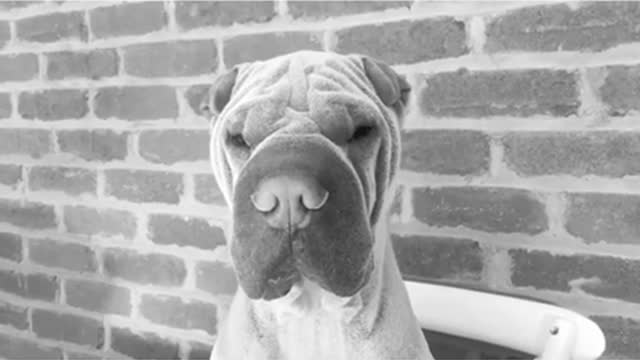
(303, 147)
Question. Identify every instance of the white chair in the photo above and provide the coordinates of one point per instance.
(543, 330)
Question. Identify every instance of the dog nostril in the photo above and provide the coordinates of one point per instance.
(314, 200)
(264, 201)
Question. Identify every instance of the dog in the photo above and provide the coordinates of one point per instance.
(304, 148)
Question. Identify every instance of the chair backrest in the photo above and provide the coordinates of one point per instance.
(534, 327)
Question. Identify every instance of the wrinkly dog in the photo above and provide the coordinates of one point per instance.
(304, 148)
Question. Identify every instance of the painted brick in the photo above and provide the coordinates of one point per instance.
(154, 269)
(56, 104)
(448, 152)
(245, 48)
(324, 9)
(591, 27)
(14, 316)
(94, 145)
(621, 90)
(143, 345)
(20, 67)
(68, 328)
(5, 106)
(95, 64)
(197, 96)
(404, 42)
(10, 175)
(612, 218)
(431, 257)
(207, 190)
(502, 210)
(194, 14)
(623, 336)
(610, 154)
(127, 19)
(144, 186)
(184, 231)
(98, 296)
(90, 221)
(27, 214)
(5, 33)
(484, 93)
(216, 278)
(73, 181)
(10, 246)
(58, 254)
(175, 58)
(199, 351)
(52, 27)
(602, 276)
(172, 311)
(35, 286)
(172, 146)
(35, 143)
(136, 102)
(17, 348)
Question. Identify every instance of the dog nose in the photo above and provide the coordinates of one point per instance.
(287, 201)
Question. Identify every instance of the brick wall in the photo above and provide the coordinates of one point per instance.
(520, 168)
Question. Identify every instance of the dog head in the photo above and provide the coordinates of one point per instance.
(303, 147)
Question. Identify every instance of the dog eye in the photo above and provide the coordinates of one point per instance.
(237, 140)
(361, 132)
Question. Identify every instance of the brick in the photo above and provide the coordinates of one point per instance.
(127, 19)
(592, 27)
(20, 67)
(74, 181)
(485, 93)
(197, 96)
(68, 328)
(603, 276)
(95, 64)
(52, 27)
(622, 334)
(5, 106)
(175, 58)
(501, 210)
(94, 145)
(10, 247)
(172, 146)
(10, 174)
(207, 190)
(144, 186)
(143, 345)
(58, 254)
(35, 286)
(90, 221)
(611, 154)
(14, 316)
(216, 278)
(324, 9)
(172, 311)
(621, 90)
(404, 42)
(136, 102)
(5, 33)
(17, 348)
(27, 214)
(254, 47)
(596, 217)
(98, 296)
(35, 143)
(185, 231)
(448, 152)
(438, 258)
(194, 14)
(57, 104)
(199, 351)
(154, 269)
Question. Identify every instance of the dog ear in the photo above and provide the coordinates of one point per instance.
(392, 89)
(220, 92)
